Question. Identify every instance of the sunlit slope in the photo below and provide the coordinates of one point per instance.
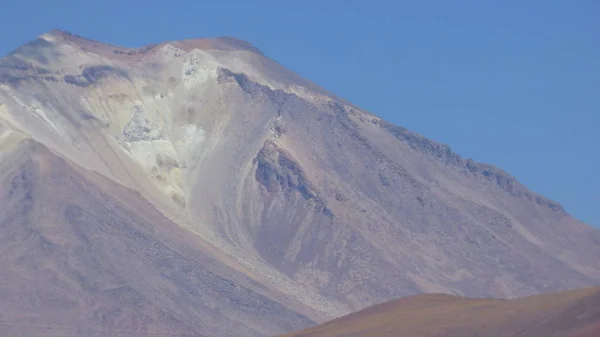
(564, 314)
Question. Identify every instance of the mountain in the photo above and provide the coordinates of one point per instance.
(573, 313)
(198, 186)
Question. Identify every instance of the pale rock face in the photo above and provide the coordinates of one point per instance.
(324, 206)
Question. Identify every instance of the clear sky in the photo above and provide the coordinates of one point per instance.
(511, 83)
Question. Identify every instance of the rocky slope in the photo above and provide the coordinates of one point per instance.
(83, 256)
(563, 314)
(328, 206)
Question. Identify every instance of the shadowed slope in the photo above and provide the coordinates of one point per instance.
(82, 256)
(566, 314)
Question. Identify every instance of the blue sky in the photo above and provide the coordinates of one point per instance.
(511, 83)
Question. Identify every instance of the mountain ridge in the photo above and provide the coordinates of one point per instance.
(230, 41)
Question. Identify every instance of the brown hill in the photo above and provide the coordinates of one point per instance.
(564, 314)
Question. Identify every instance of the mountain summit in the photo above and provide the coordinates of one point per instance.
(198, 186)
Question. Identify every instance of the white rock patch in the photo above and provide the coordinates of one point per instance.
(191, 137)
(198, 68)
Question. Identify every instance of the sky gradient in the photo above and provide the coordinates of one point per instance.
(512, 83)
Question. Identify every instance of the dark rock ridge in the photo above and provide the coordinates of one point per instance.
(278, 172)
(445, 154)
